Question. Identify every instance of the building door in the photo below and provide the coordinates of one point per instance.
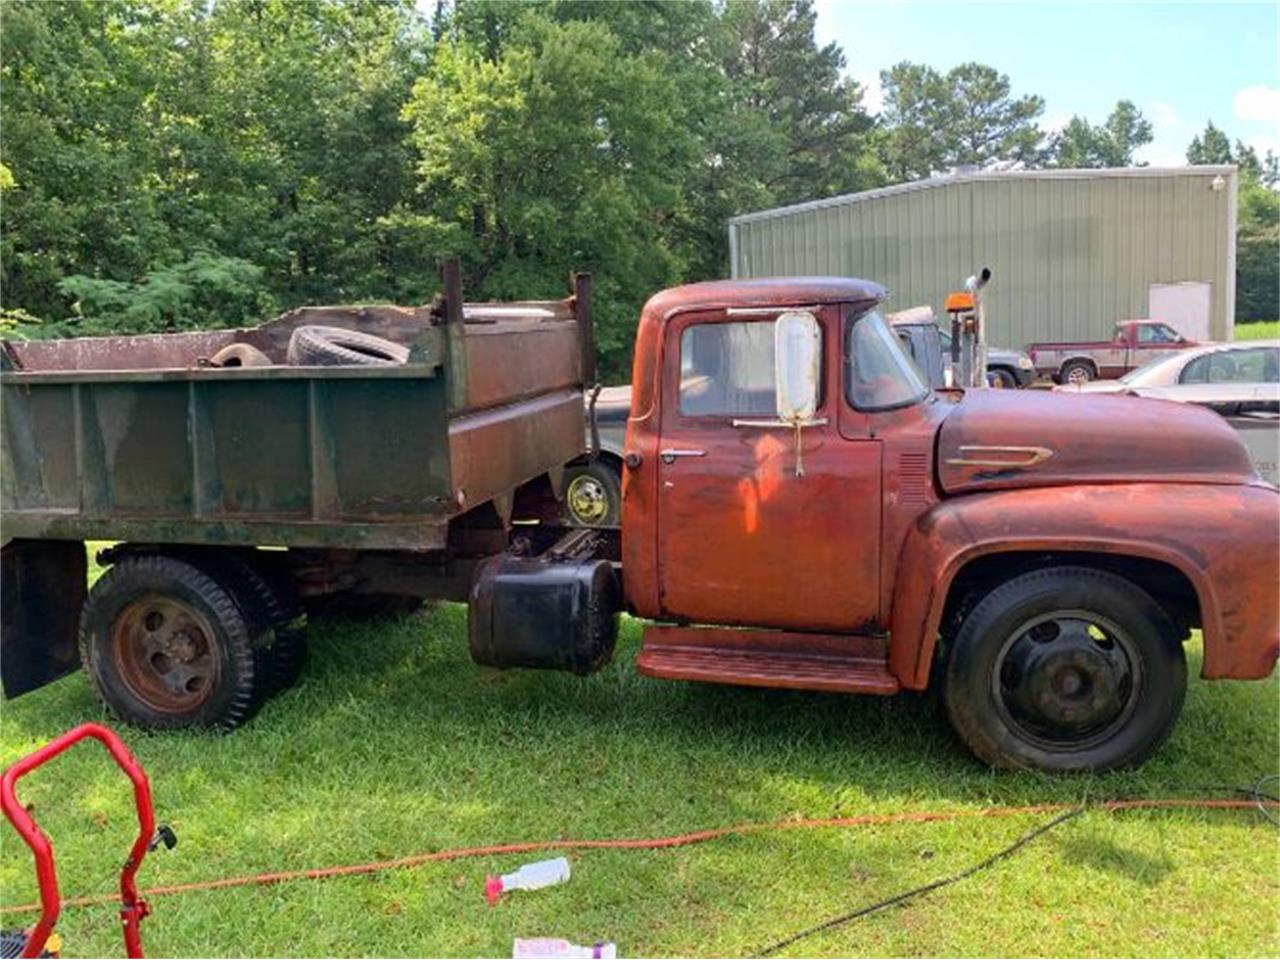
(1185, 306)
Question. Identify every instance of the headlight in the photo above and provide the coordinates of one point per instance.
(1025, 363)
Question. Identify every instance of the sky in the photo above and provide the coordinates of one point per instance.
(1182, 64)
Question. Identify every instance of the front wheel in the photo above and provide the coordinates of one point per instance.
(1065, 669)
(593, 495)
(999, 378)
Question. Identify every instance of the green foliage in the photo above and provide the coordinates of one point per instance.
(341, 148)
(206, 291)
(1081, 144)
(17, 324)
(1257, 221)
(1257, 330)
(564, 152)
(620, 137)
(1257, 252)
(141, 134)
(968, 116)
(1210, 147)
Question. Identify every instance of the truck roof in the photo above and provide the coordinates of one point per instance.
(764, 292)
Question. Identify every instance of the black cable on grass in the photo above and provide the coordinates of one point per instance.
(1261, 798)
(893, 901)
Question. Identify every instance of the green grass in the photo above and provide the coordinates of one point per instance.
(1258, 330)
(394, 743)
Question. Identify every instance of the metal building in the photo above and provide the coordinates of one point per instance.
(1072, 251)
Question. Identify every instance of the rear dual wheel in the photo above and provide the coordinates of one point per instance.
(172, 642)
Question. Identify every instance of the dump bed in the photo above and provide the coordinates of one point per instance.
(139, 438)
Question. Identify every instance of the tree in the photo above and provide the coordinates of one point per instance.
(1081, 144)
(1210, 147)
(935, 122)
(566, 153)
(1257, 221)
(142, 136)
(810, 130)
(74, 78)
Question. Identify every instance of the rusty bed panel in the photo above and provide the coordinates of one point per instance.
(245, 459)
(132, 438)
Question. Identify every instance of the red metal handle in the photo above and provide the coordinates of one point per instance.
(132, 909)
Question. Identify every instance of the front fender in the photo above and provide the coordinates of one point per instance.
(1222, 538)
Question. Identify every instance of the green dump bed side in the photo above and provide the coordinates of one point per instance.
(138, 438)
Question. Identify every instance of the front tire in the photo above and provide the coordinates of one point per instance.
(166, 646)
(998, 378)
(592, 495)
(1065, 669)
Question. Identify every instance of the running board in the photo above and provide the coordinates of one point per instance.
(768, 658)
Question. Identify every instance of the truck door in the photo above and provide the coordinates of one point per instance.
(742, 539)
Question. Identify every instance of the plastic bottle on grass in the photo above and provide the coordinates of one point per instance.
(532, 876)
(553, 948)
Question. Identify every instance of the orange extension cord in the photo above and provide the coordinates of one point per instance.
(655, 843)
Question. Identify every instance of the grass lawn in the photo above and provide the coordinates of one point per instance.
(394, 743)
(1258, 330)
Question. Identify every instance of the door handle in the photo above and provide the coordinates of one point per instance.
(669, 455)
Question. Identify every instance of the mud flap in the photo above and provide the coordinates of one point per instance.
(42, 588)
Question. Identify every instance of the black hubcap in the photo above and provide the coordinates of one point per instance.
(1067, 680)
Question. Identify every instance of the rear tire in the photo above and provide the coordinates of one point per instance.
(166, 646)
(1065, 669)
(276, 618)
(1077, 371)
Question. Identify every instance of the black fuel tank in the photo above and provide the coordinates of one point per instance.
(544, 614)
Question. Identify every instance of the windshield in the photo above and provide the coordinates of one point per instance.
(878, 375)
(1142, 372)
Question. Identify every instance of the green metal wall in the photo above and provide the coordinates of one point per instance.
(1071, 251)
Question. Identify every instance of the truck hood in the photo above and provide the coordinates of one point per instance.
(1028, 438)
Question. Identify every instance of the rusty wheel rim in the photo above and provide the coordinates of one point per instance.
(166, 654)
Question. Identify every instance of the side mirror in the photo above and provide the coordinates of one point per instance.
(797, 347)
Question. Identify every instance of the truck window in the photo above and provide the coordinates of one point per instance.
(726, 369)
(1157, 333)
(907, 346)
(878, 375)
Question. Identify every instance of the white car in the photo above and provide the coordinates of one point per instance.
(1244, 362)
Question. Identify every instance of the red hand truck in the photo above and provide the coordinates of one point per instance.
(132, 907)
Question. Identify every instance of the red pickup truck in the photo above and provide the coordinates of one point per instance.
(800, 510)
(1133, 343)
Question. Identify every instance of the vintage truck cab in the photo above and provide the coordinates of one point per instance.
(801, 510)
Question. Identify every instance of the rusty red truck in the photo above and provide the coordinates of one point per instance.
(1132, 343)
(800, 510)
